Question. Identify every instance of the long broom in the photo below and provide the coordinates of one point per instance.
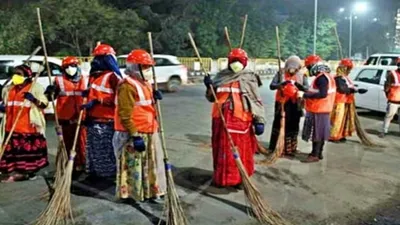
(280, 144)
(173, 208)
(61, 158)
(365, 140)
(262, 212)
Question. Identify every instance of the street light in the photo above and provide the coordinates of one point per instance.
(359, 7)
(341, 10)
(315, 25)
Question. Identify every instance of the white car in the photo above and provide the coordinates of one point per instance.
(371, 78)
(8, 62)
(388, 59)
(171, 74)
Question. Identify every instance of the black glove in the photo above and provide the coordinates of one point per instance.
(362, 91)
(2, 108)
(258, 128)
(300, 86)
(85, 93)
(138, 143)
(157, 95)
(207, 81)
(51, 89)
(284, 83)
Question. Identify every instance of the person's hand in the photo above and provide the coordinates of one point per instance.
(138, 143)
(362, 91)
(89, 105)
(85, 93)
(157, 95)
(300, 94)
(2, 108)
(29, 96)
(258, 128)
(51, 89)
(207, 81)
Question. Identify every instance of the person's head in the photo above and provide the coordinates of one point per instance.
(345, 66)
(104, 60)
(70, 66)
(293, 65)
(139, 64)
(311, 60)
(319, 68)
(22, 74)
(237, 60)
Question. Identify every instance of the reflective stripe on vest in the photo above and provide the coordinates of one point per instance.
(228, 89)
(396, 78)
(26, 103)
(142, 98)
(322, 105)
(394, 91)
(61, 84)
(102, 87)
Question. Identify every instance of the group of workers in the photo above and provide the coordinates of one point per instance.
(120, 136)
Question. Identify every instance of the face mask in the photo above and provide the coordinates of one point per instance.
(292, 71)
(236, 67)
(71, 70)
(147, 74)
(17, 79)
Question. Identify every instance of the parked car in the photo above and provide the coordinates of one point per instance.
(171, 74)
(384, 59)
(371, 78)
(8, 62)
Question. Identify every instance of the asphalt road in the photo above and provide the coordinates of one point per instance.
(354, 185)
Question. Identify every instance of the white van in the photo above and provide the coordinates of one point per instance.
(8, 62)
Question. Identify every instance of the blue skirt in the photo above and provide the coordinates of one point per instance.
(317, 127)
(100, 157)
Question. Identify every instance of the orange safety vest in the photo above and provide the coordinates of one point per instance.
(343, 98)
(287, 92)
(70, 97)
(394, 91)
(321, 105)
(15, 101)
(231, 91)
(100, 89)
(143, 114)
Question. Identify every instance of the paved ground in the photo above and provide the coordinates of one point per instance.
(353, 185)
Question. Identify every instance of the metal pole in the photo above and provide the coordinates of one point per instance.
(315, 26)
(351, 33)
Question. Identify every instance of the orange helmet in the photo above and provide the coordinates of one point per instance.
(311, 60)
(346, 63)
(290, 90)
(238, 54)
(140, 57)
(69, 60)
(103, 49)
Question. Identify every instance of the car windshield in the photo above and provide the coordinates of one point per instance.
(372, 61)
(388, 60)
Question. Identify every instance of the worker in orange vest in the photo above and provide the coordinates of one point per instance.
(343, 113)
(103, 79)
(287, 87)
(26, 152)
(136, 124)
(319, 101)
(238, 97)
(69, 90)
(392, 91)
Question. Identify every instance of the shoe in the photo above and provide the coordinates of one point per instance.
(320, 156)
(382, 135)
(239, 186)
(343, 140)
(311, 159)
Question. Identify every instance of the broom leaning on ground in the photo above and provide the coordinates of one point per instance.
(173, 209)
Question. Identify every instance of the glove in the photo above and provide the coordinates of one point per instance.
(259, 128)
(207, 81)
(29, 96)
(299, 86)
(300, 94)
(2, 108)
(51, 89)
(284, 83)
(85, 93)
(90, 104)
(157, 95)
(362, 91)
(138, 143)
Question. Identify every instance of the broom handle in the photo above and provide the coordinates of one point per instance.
(243, 31)
(235, 151)
(17, 118)
(157, 103)
(59, 131)
(338, 42)
(228, 39)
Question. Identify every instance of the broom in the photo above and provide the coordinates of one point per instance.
(243, 31)
(280, 144)
(61, 158)
(14, 125)
(174, 212)
(362, 135)
(228, 39)
(263, 213)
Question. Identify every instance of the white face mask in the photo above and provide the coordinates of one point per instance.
(147, 74)
(236, 67)
(71, 70)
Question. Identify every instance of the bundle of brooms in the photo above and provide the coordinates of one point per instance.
(280, 143)
(173, 209)
(261, 211)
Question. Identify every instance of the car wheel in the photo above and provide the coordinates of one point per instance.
(174, 84)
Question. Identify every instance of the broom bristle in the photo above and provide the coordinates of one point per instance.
(365, 140)
(174, 212)
(261, 210)
(280, 144)
(59, 210)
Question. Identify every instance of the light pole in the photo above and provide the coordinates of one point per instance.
(351, 34)
(315, 26)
